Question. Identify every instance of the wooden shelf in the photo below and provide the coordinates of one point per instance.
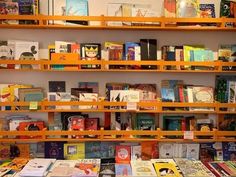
(106, 106)
(159, 23)
(115, 135)
(46, 66)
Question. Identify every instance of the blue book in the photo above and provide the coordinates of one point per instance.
(77, 8)
(92, 150)
(108, 150)
(229, 151)
(207, 11)
(123, 170)
(167, 94)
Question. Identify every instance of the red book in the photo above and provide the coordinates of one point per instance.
(123, 154)
(91, 124)
(211, 169)
(31, 126)
(77, 123)
(149, 150)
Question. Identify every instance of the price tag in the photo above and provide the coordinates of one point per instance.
(33, 105)
(131, 106)
(188, 135)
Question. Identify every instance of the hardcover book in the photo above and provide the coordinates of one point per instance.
(25, 50)
(26, 7)
(229, 151)
(166, 150)
(92, 150)
(123, 170)
(123, 154)
(88, 97)
(142, 168)
(90, 51)
(166, 169)
(9, 7)
(149, 150)
(77, 8)
(74, 151)
(54, 150)
(57, 86)
(193, 151)
(107, 150)
(107, 170)
(136, 152)
(187, 8)
(207, 11)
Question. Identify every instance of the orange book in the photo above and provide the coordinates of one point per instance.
(149, 150)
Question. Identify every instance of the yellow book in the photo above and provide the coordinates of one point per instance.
(14, 91)
(166, 169)
(74, 151)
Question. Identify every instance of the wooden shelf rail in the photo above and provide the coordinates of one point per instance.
(143, 23)
(107, 106)
(115, 135)
(161, 66)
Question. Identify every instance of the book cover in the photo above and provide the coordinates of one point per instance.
(16, 164)
(63, 164)
(57, 86)
(77, 124)
(170, 8)
(150, 150)
(5, 151)
(166, 150)
(57, 7)
(9, 7)
(187, 8)
(114, 9)
(229, 151)
(123, 170)
(26, 7)
(88, 97)
(20, 150)
(136, 152)
(145, 121)
(31, 126)
(207, 152)
(207, 11)
(203, 94)
(54, 150)
(74, 151)
(107, 170)
(26, 50)
(91, 124)
(92, 150)
(142, 168)
(4, 52)
(108, 150)
(123, 154)
(166, 169)
(193, 151)
(89, 85)
(90, 51)
(87, 167)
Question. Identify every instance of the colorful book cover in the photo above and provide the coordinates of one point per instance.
(20, 150)
(229, 151)
(187, 8)
(145, 121)
(123, 154)
(57, 7)
(90, 51)
(123, 170)
(16, 164)
(74, 151)
(9, 7)
(170, 8)
(4, 52)
(203, 94)
(88, 97)
(92, 150)
(150, 150)
(207, 152)
(4, 151)
(142, 168)
(166, 169)
(91, 124)
(87, 167)
(77, 8)
(54, 150)
(207, 11)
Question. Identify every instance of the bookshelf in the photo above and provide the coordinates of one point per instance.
(163, 27)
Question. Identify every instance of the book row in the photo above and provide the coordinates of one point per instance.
(144, 50)
(121, 152)
(167, 8)
(178, 167)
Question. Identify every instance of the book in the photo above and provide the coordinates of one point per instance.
(142, 168)
(92, 150)
(107, 170)
(136, 152)
(9, 7)
(77, 8)
(57, 86)
(170, 8)
(4, 151)
(4, 171)
(107, 150)
(90, 51)
(207, 10)
(187, 8)
(62, 164)
(166, 150)
(123, 170)
(26, 50)
(89, 85)
(193, 151)
(57, 7)
(88, 97)
(74, 151)
(123, 154)
(150, 150)
(87, 167)
(26, 7)
(166, 169)
(229, 151)
(54, 150)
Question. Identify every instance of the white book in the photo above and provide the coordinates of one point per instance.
(63, 163)
(37, 167)
(90, 97)
(26, 50)
(166, 150)
(193, 151)
(136, 152)
(59, 96)
(58, 9)
(61, 46)
(114, 9)
(142, 168)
